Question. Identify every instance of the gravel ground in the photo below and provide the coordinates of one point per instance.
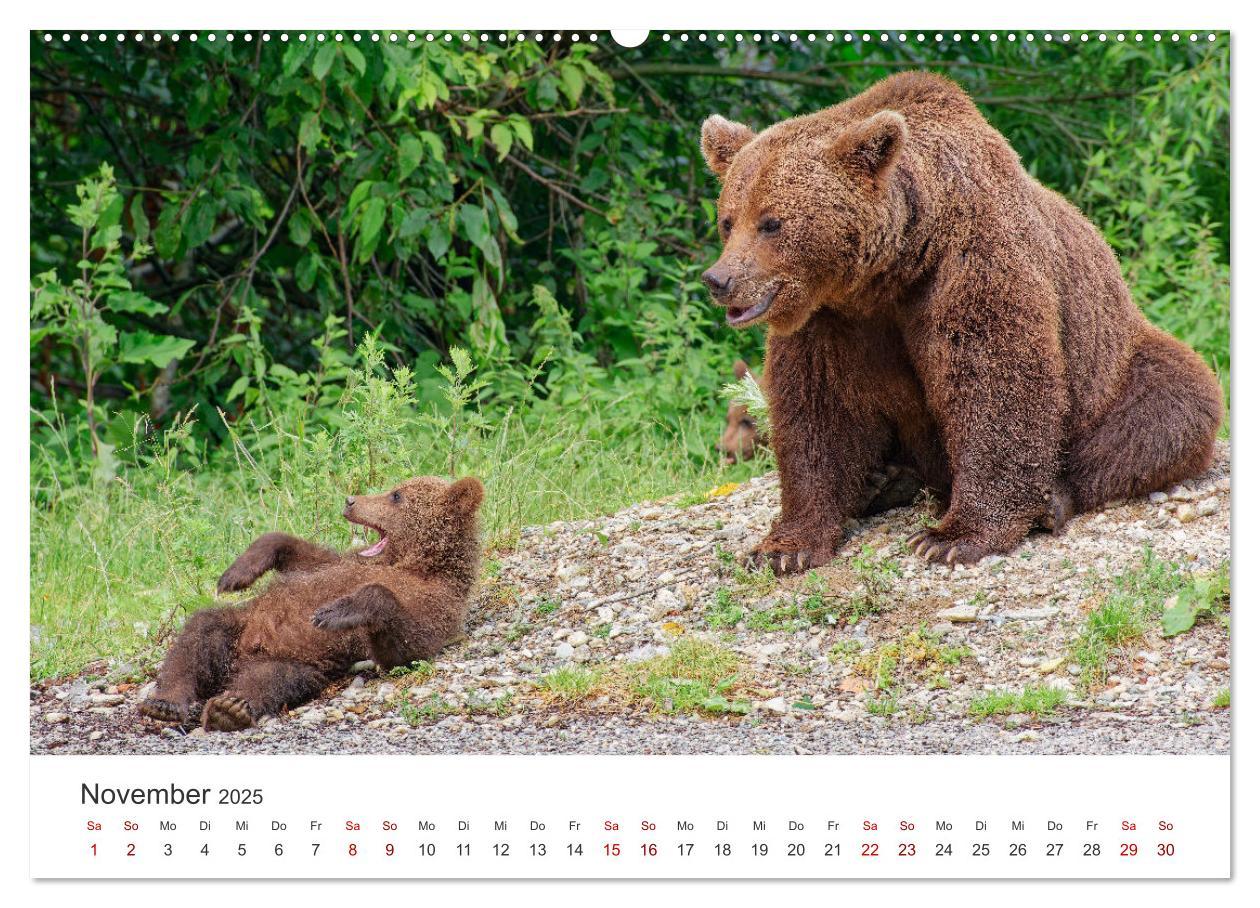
(876, 653)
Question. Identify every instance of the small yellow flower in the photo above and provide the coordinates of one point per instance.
(722, 491)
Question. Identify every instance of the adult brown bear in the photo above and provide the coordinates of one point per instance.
(932, 305)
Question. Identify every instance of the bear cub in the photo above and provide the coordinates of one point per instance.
(741, 437)
(400, 599)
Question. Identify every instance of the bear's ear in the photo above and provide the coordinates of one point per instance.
(720, 139)
(875, 143)
(464, 495)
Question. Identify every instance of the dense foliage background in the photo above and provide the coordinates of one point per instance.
(266, 273)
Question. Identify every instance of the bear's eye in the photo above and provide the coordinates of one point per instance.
(769, 226)
(396, 497)
(726, 226)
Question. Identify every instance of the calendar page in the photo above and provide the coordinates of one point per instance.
(679, 453)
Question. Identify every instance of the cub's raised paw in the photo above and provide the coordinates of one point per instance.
(239, 576)
(941, 549)
(339, 615)
(787, 560)
(168, 711)
(226, 713)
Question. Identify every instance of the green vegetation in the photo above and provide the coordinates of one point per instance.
(431, 710)
(883, 704)
(1206, 594)
(695, 676)
(917, 656)
(1221, 700)
(1134, 607)
(875, 584)
(570, 683)
(268, 276)
(1035, 700)
(416, 672)
(725, 610)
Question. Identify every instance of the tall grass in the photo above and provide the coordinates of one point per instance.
(116, 566)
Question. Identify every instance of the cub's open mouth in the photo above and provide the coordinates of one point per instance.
(743, 315)
(375, 548)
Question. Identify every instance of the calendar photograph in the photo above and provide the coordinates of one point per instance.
(708, 392)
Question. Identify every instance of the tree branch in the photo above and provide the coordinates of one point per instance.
(798, 78)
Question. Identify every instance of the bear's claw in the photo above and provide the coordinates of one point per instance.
(225, 713)
(339, 615)
(787, 562)
(166, 711)
(934, 547)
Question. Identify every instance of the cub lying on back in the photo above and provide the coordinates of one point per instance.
(396, 601)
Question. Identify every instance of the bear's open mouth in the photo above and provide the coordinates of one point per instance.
(375, 548)
(743, 315)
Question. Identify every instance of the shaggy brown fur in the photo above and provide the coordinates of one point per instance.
(741, 438)
(931, 304)
(394, 602)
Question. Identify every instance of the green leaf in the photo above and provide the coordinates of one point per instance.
(370, 224)
(413, 223)
(524, 132)
(147, 347)
(324, 60)
(501, 139)
(572, 82)
(294, 56)
(410, 151)
(438, 239)
(237, 389)
(299, 229)
(169, 231)
(1180, 616)
(476, 225)
(1191, 602)
(306, 272)
(309, 131)
(545, 93)
(359, 193)
(436, 148)
(130, 301)
(200, 222)
(356, 58)
(139, 220)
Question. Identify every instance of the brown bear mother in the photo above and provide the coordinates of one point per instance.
(931, 305)
(401, 599)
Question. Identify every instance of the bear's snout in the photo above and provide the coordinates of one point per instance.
(718, 279)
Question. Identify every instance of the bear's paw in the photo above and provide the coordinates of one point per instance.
(225, 713)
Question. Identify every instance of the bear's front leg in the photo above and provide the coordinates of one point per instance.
(370, 606)
(396, 635)
(272, 551)
(825, 385)
(994, 375)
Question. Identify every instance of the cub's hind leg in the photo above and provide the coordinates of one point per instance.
(196, 667)
(260, 688)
